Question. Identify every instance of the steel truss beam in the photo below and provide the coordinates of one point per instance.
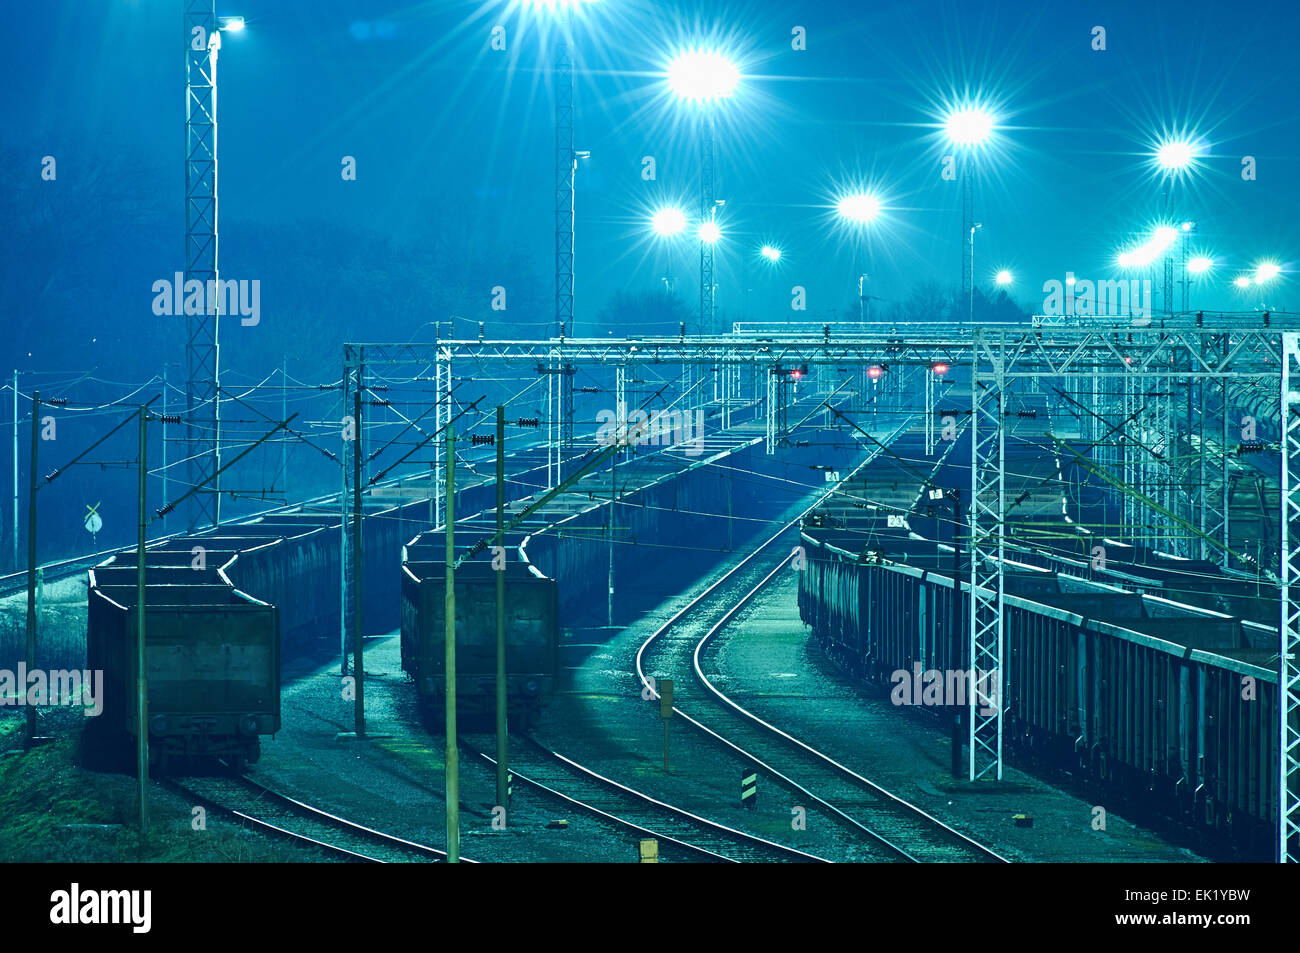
(1116, 366)
(566, 168)
(987, 549)
(202, 357)
(708, 304)
(1288, 847)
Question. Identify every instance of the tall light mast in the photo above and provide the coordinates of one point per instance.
(202, 356)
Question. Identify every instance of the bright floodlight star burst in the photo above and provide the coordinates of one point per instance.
(668, 221)
(860, 207)
(701, 75)
(1176, 154)
(968, 127)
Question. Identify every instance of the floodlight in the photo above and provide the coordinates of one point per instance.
(668, 221)
(702, 75)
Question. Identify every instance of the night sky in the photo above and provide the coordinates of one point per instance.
(453, 145)
(455, 166)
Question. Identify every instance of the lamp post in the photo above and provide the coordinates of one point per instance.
(203, 29)
(968, 128)
(702, 77)
(1265, 273)
(1173, 157)
(858, 210)
(666, 225)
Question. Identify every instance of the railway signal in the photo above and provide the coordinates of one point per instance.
(665, 711)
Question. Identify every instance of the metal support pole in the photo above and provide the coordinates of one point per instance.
(708, 306)
(358, 616)
(954, 636)
(284, 415)
(31, 561)
(565, 172)
(987, 549)
(503, 745)
(15, 520)
(613, 490)
(968, 232)
(141, 661)
(165, 489)
(1288, 792)
(203, 358)
(449, 640)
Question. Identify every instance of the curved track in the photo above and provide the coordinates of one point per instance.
(899, 828)
(679, 832)
(283, 816)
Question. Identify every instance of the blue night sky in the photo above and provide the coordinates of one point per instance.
(453, 143)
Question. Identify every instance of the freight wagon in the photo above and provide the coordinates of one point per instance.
(531, 634)
(212, 666)
(1172, 705)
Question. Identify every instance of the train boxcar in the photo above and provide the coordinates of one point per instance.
(1173, 706)
(212, 656)
(531, 633)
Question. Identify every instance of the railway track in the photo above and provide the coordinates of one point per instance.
(280, 815)
(681, 834)
(895, 826)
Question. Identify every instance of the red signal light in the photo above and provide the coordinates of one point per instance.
(940, 368)
(874, 372)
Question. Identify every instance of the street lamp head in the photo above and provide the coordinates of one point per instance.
(1163, 237)
(668, 222)
(1266, 272)
(1242, 281)
(969, 126)
(555, 5)
(858, 207)
(230, 24)
(1174, 155)
(702, 76)
(1200, 265)
(710, 233)
(1003, 277)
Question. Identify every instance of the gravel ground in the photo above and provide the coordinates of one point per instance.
(394, 779)
(768, 662)
(603, 722)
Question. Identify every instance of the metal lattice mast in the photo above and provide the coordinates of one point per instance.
(202, 357)
(708, 307)
(987, 547)
(1288, 847)
(1214, 416)
(968, 233)
(565, 170)
(351, 424)
(442, 413)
